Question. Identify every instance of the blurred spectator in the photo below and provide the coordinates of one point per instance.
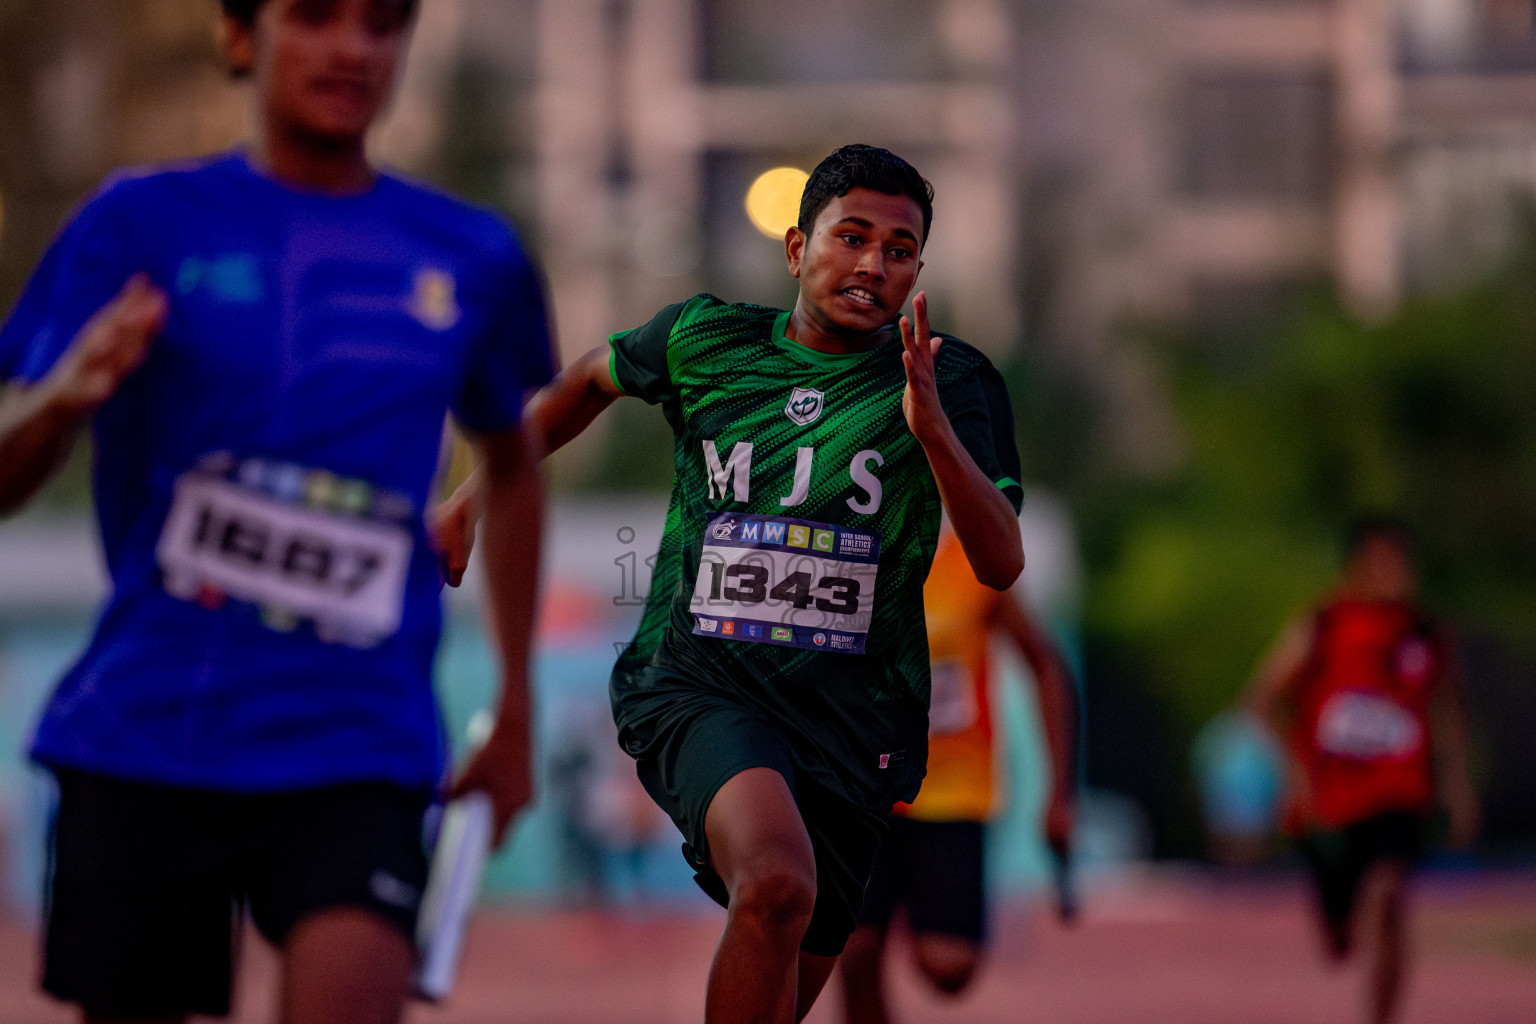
(1238, 768)
(605, 819)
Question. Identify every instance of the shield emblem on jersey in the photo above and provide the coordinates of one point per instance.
(804, 405)
(433, 302)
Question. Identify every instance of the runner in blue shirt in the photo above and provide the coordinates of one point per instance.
(266, 345)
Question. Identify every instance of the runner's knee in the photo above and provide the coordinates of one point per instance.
(777, 891)
(949, 963)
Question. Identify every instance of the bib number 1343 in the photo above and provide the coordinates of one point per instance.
(747, 583)
(770, 579)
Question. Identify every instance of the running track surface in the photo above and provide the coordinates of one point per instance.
(1174, 947)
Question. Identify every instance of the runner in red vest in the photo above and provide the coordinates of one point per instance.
(1364, 692)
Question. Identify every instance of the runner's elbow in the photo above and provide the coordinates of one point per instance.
(1002, 570)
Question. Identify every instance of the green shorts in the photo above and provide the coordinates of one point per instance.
(686, 745)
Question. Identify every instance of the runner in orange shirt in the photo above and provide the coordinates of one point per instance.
(931, 863)
(1365, 696)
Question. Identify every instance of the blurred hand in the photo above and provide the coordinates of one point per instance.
(451, 531)
(1060, 820)
(503, 770)
(109, 347)
(1466, 816)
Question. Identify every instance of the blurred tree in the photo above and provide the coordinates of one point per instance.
(1318, 418)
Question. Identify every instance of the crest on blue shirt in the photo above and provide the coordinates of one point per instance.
(433, 302)
(804, 406)
(233, 277)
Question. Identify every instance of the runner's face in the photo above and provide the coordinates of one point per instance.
(859, 263)
(1385, 570)
(323, 68)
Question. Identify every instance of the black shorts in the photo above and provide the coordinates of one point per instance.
(690, 746)
(934, 871)
(1340, 859)
(147, 883)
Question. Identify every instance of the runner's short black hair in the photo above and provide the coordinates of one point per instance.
(860, 166)
(244, 11)
(1390, 528)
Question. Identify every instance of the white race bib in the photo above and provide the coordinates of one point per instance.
(775, 580)
(1367, 727)
(345, 572)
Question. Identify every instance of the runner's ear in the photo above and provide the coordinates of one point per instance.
(794, 249)
(236, 41)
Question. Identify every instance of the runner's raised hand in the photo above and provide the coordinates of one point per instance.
(920, 400)
(110, 346)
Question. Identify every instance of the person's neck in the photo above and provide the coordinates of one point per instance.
(804, 330)
(313, 165)
(1370, 592)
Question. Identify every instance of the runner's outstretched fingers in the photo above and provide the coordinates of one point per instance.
(39, 423)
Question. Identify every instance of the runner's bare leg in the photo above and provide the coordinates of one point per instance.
(949, 962)
(759, 847)
(864, 977)
(813, 974)
(1383, 920)
(345, 965)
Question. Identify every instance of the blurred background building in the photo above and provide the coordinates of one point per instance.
(1205, 239)
(1095, 160)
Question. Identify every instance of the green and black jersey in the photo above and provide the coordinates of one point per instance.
(802, 524)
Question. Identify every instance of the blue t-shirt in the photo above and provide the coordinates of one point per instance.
(261, 479)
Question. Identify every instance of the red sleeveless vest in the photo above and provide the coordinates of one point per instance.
(1362, 728)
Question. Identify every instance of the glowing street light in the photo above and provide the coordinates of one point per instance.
(773, 201)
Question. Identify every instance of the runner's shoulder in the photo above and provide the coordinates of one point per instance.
(144, 189)
(957, 359)
(430, 213)
(708, 312)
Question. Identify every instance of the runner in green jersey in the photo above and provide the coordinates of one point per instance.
(775, 698)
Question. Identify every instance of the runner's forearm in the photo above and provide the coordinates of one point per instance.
(512, 503)
(984, 521)
(1056, 692)
(37, 431)
(1271, 693)
(1449, 723)
(567, 405)
(558, 412)
(1058, 712)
